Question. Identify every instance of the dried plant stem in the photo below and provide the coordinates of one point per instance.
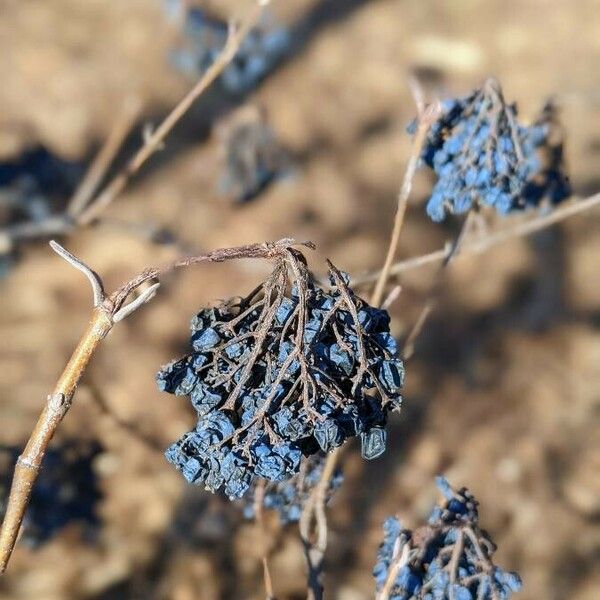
(106, 313)
(393, 571)
(82, 210)
(259, 498)
(431, 302)
(425, 120)
(155, 139)
(103, 159)
(479, 246)
(269, 594)
(315, 510)
(56, 407)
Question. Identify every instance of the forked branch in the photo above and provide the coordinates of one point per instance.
(107, 311)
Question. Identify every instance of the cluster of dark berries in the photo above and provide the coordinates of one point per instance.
(65, 492)
(450, 558)
(484, 157)
(289, 497)
(204, 37)
(290, 370)
(253, 160)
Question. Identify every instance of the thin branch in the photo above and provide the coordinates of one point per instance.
(431, 303)
(409, 345)
(269, 593)
(29, 230)
(104, 316)
(56, 407)
(393, 571)
(391, 297)
(80, 211)
(315, 510)
(142, 299)
(97, 170)
(154, 141)
(425, 119)
(482, 245)
(94, 278)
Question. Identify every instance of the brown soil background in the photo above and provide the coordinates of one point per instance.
(503, 391)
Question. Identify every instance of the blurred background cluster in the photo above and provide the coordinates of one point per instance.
(304, 136)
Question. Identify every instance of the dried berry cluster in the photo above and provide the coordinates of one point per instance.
(254, 159)
(65, 492)
(289, 497)
(205, 37)
(484, 157)
(450, 558)
(289, 370)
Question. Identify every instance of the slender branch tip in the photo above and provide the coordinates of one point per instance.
(93, 277)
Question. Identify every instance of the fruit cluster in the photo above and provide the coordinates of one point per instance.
(290, 370)
(484, 157)
(253, 160)
(205, 37)
(449, 558)
(289, 497)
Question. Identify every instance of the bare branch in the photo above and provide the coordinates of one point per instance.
(427, 116)
(94, 278)
(393, 571)
(106, 313)
(97, 170)
(56, 407)
(144, 297)
(154, 140)
(482, 245)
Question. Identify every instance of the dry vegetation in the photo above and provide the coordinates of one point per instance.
(503, 389)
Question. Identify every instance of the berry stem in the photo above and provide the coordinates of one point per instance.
(425, 120)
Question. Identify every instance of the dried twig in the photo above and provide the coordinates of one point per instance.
(426, 117)
(481, 245)
(97, 170)
(431, 302)
(315, 509)
(154, 141)
(397, 564)
(81, 209)
(106, 312)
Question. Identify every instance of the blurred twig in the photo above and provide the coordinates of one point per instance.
(88, 186)
(153, 142)
(400, 560)
(107, 311)
(479, 246)
(83, 209)
(431, 302)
